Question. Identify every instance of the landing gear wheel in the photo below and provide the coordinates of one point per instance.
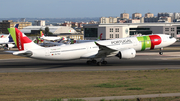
(160, 53)
(104, 62)
(94, 61)
(91, 62)
(99, 63)
(88, 62)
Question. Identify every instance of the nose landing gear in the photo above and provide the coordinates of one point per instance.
(160, 51)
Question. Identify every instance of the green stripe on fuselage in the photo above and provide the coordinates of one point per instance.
(145, 42)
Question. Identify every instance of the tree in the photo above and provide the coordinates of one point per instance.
(47, 31)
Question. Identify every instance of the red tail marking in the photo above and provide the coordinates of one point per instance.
(100, 36)
(42, 34)
(21, 40)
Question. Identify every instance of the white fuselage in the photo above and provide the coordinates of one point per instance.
(90, 49)
(4, 40)
(51, 38)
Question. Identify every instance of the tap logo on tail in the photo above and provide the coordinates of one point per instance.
(19, 38)
(42, 34)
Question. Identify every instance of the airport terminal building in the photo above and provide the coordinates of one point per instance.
(60, 31)
(122, 30)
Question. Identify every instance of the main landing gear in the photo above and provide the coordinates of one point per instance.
(91, 62)
(101, 62)
(160, 51)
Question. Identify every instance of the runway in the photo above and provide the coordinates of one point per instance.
(140, 62)
(147, 60)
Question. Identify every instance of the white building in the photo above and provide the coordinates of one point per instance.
(39, 23)
(54, 29)
(122, 30)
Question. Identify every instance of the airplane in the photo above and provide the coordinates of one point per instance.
(48, 38)
(123, 48)
(6, 41)
(3, 35)
(50, 44)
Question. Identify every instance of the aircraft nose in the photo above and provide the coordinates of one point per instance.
(174, 40)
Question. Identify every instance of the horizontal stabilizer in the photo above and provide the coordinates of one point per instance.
(23, 53)
(10, 51)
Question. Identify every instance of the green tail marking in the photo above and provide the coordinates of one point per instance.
(13, 34)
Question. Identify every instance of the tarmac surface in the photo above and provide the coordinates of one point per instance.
(146, 60)
(142, 61)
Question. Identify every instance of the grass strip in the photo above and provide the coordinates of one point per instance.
(48, 85)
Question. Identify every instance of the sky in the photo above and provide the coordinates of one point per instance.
(83, 8)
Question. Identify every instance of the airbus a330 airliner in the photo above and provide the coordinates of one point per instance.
(48, 38)
(122, 48)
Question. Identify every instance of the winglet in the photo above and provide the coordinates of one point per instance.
(96, 43)
(100, 37)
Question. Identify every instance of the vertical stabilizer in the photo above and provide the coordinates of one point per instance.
(100, 37)
(42, 35)
(21, 40)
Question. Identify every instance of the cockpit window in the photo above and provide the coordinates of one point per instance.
(170, 37)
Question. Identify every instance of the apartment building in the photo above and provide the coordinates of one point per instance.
(9, 23)
(136, 15)
(124, 16)
(106, 20)
(40, 23)
(149, 15)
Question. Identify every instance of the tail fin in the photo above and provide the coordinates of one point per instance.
(10, 38)
(21, 40)
(2, 36)
(100, 37)
(16, 25)
(62, 38)
(42, 35)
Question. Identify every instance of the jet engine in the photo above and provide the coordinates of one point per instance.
(126, 54)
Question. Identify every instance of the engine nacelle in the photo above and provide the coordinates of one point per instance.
(126, 54)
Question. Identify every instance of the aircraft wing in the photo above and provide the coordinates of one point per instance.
(104, 51)
(48, 43)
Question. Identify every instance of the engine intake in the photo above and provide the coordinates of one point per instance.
(126, 54)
